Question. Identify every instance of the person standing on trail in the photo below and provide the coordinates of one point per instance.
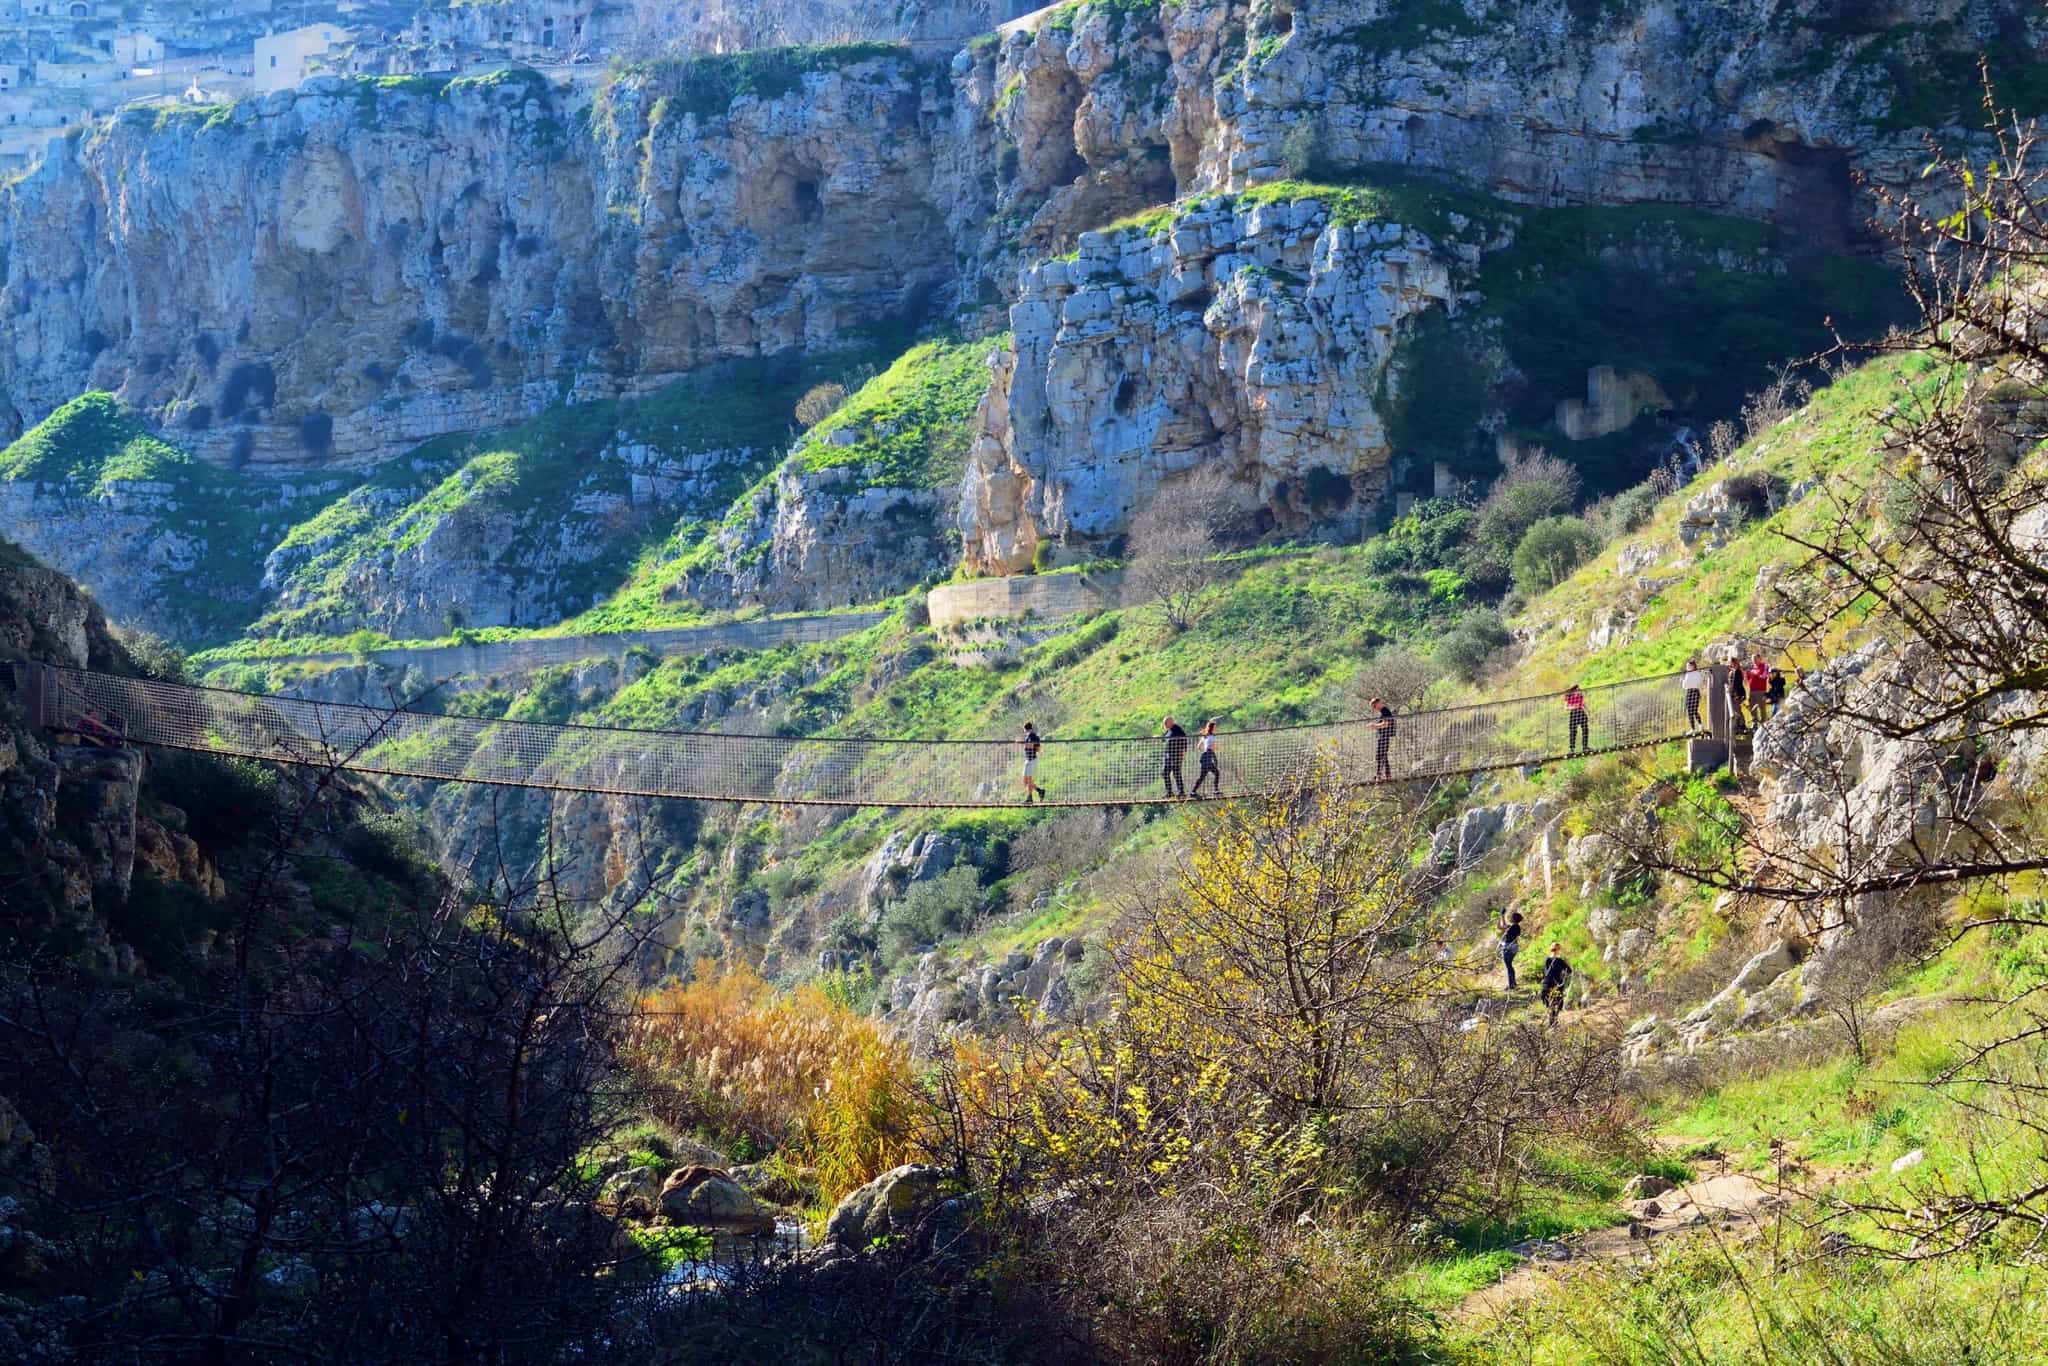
(1736, 692)
(1581, 729)
(1776, 695)
(1383, 741)
(1556, 972)
(1029, 743)
(1758, 677)
(1175, 770)
(1205, 749)
(1510, 943)
(1695, 684)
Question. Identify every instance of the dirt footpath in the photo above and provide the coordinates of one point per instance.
(1737, 1202)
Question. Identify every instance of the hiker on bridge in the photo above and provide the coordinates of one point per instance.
(1696, 682)
(1174, 771)
(1581, 729)
(1029, 743)
(1383, 741)
(1205, 749)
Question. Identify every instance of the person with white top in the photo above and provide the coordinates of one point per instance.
(1206, 746)
(1695, 684)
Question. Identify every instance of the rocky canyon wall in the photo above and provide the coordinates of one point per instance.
(1758, 109)
(325, 278)
(333, 275)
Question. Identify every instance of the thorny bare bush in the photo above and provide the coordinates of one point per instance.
(1174, 540)
(1785, 395)
(1909, 755)
(1281, 1059)
(323, 1142)
(1052, 851)
(1400, 676)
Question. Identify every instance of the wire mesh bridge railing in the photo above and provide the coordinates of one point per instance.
(851, 770)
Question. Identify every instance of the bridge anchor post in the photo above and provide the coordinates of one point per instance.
(38, 682)
(1704, 754)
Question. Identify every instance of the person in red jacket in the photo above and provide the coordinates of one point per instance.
(1758, 677)
(1581, 728)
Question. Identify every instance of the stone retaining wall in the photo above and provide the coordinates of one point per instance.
(1041, 595)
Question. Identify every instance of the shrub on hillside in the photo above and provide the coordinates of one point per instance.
(1399, 676)
(1549, 552)
(930, 911)
(1535, 487)
(1174, 541)
(1053, 850)
(1301, 151)
(1430, 535)
(1630, 510)
(819, 403)
(154, 656)
(1203, 1172)
(1469, 649)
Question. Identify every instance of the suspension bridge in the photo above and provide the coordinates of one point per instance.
(841, 770)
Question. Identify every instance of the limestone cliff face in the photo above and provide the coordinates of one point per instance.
(1761, 110)
(74, 838)
(333, 275)
(1249, 339)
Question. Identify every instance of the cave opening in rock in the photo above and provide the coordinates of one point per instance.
(1126, 397)
(808, 203)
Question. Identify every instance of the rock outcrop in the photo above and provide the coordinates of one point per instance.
(892, 1204)
(1246, 339)
(937, 999)
(72, 824)
(708, 1197)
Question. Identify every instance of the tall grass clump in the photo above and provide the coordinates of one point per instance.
(797, 1073)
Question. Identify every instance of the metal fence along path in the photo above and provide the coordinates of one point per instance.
(849, 771)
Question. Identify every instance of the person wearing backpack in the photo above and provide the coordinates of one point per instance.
(1736, 695)
(1556, 973)
(1029, 743)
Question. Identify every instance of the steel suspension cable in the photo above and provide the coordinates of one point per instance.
(854, 770)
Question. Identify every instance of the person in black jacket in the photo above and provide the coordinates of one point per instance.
(1029, 743)
(1510, 943)
(1175, 769)
(1384, 727)
(1556, 972)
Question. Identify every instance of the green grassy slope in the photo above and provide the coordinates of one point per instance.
(532, 477)
(95, 451)
(907, 427)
